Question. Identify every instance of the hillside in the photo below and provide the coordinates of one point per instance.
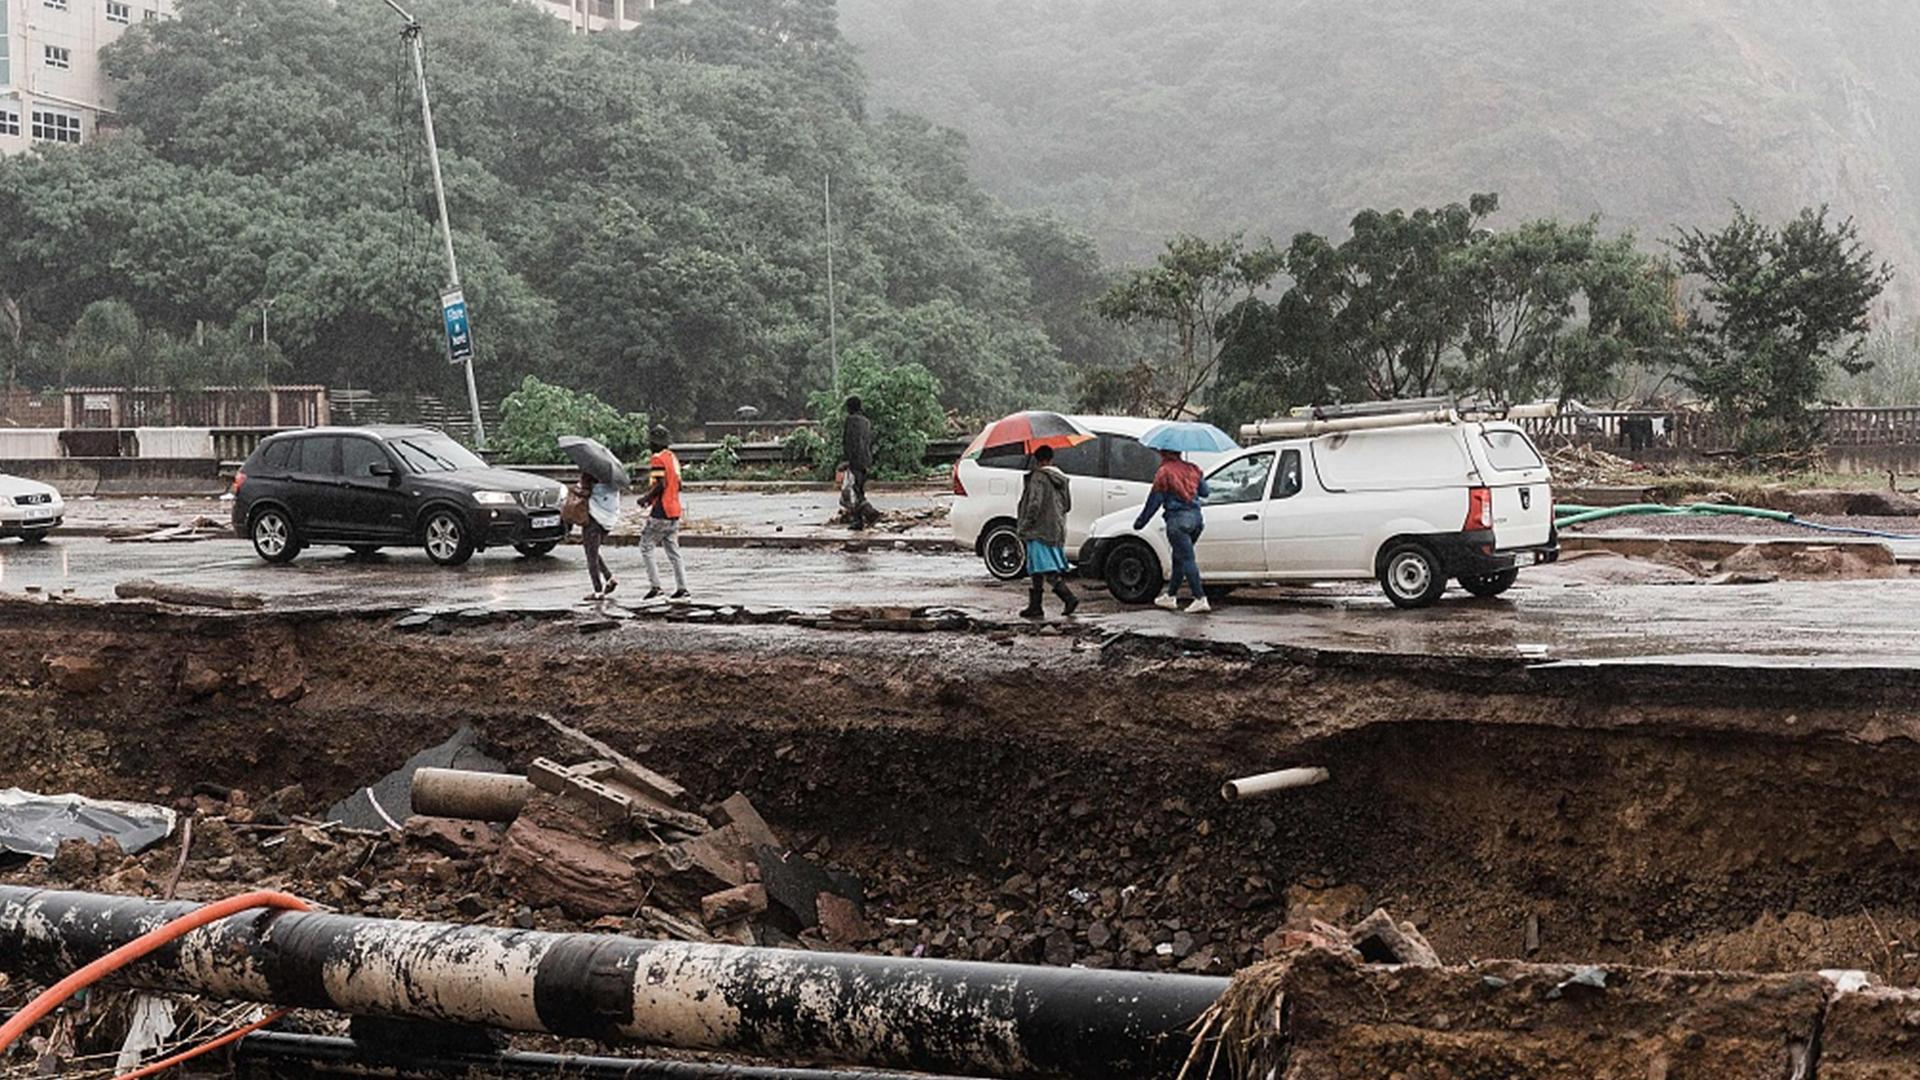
(1137, 119)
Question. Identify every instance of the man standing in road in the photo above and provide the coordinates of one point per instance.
(662, 502)
(856, 449)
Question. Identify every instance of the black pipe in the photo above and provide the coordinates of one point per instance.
(934, 1016)
(278, 1054)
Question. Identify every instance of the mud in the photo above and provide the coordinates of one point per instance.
(1043, 798)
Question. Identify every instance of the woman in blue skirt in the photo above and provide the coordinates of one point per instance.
(1045, 500)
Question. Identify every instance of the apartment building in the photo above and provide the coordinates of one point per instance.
(593, 16)
(51, 86)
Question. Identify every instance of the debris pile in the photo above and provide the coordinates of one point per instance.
(1581, 466)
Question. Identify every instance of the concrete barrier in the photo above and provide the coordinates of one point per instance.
(174, 442)
(75, 477)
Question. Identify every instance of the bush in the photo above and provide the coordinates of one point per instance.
(902, 400)
(534, 416)
(806, 446)
(722, 464)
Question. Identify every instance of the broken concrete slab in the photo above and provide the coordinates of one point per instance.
(654, 784)
(732, 905)
(1380, 940)
(190, 595)
(738, 810)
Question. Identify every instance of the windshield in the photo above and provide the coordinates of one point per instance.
(434, 453)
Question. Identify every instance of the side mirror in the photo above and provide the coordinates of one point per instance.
(382, 469)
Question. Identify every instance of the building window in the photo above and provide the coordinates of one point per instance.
(117, 12)
(55, 127)
(6, 46)
(59, 57)
(149, 15)
(9, 122)
(57, 5)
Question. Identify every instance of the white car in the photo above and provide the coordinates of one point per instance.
(29, 509)
(1412, 507)
(1108, 473)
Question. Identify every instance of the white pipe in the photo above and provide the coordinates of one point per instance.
(1248, 787)
(1300, 429)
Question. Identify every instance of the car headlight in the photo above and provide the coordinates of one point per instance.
(494, 498)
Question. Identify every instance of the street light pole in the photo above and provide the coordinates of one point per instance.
(412, 36)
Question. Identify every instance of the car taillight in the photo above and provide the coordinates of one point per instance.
(238, 479)
(958, 487)
(1479, 510)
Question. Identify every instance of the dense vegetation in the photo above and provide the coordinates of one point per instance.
(637, 215)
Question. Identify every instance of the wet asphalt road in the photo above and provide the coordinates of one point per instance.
(1574, 611)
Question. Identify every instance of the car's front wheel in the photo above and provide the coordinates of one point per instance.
(1004, 554)
(535, 551)
(1490, 585)
(1412, 576)
(447, 539)
(274, 537)
(1133, 573)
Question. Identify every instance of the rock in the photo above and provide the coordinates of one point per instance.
(1382, 941)
(418, 620)
(841, 921)
(199, 679)
(77, 674)
(739, 812)
(452, 836)
(553, 859)
(76, 860)
(1334, 905)
(732, 905)
(1099, 935)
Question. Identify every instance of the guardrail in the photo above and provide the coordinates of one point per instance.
(1638, 429)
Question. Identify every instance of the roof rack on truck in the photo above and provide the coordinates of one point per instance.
(1312, 420)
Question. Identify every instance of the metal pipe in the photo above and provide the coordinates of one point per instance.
(1248, 787)
(933, 1016)
(278, 1053)
(476, 796)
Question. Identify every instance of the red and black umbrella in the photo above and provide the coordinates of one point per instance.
(1025, 432)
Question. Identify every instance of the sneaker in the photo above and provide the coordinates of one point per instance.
(592, 597)
(1199, 607)
(611, 585)
(1168, 602)
(681, 595)
(652, 594)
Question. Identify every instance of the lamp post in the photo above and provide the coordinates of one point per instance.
(412, 36)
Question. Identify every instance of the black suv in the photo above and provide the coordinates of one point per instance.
(368, 488)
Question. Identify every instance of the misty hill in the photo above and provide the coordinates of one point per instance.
(1139, 119)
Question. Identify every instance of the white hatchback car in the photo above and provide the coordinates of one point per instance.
(1110, 472)
(1412, 507)
(29, 509)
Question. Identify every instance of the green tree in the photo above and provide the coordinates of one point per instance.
(1195, 293)
(533, 418)
(1780, 309)
(1556, 311)
(902, 400)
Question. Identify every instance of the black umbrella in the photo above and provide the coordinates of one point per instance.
(596, 460)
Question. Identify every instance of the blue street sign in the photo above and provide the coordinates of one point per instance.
(459, 335)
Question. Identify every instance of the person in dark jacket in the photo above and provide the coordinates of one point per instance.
(856, 449)
(1178, 488)
(1045, 500)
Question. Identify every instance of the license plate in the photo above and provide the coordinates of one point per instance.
(547, 521)
(1525, 558)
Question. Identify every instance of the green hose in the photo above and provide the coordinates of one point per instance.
(1580, 515)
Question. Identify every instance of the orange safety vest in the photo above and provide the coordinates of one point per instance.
(663, 470)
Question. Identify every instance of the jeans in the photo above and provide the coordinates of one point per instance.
(1183, 528)
(590, 536)
(664, 533)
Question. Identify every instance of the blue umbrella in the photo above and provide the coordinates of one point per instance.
(1188, 438)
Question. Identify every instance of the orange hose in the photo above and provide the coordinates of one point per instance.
(37, 1009)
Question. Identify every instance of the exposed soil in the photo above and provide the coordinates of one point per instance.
(1041, 798)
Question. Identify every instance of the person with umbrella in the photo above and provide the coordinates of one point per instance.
(602, 477)
(1177, 490)
(1045, 499)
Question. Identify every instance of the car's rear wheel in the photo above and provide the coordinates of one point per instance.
(1133, 573)
(274, 537)
(535, 551)
(1004, 554)
(447, 539)
(1412, 576)
(1490, 585)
